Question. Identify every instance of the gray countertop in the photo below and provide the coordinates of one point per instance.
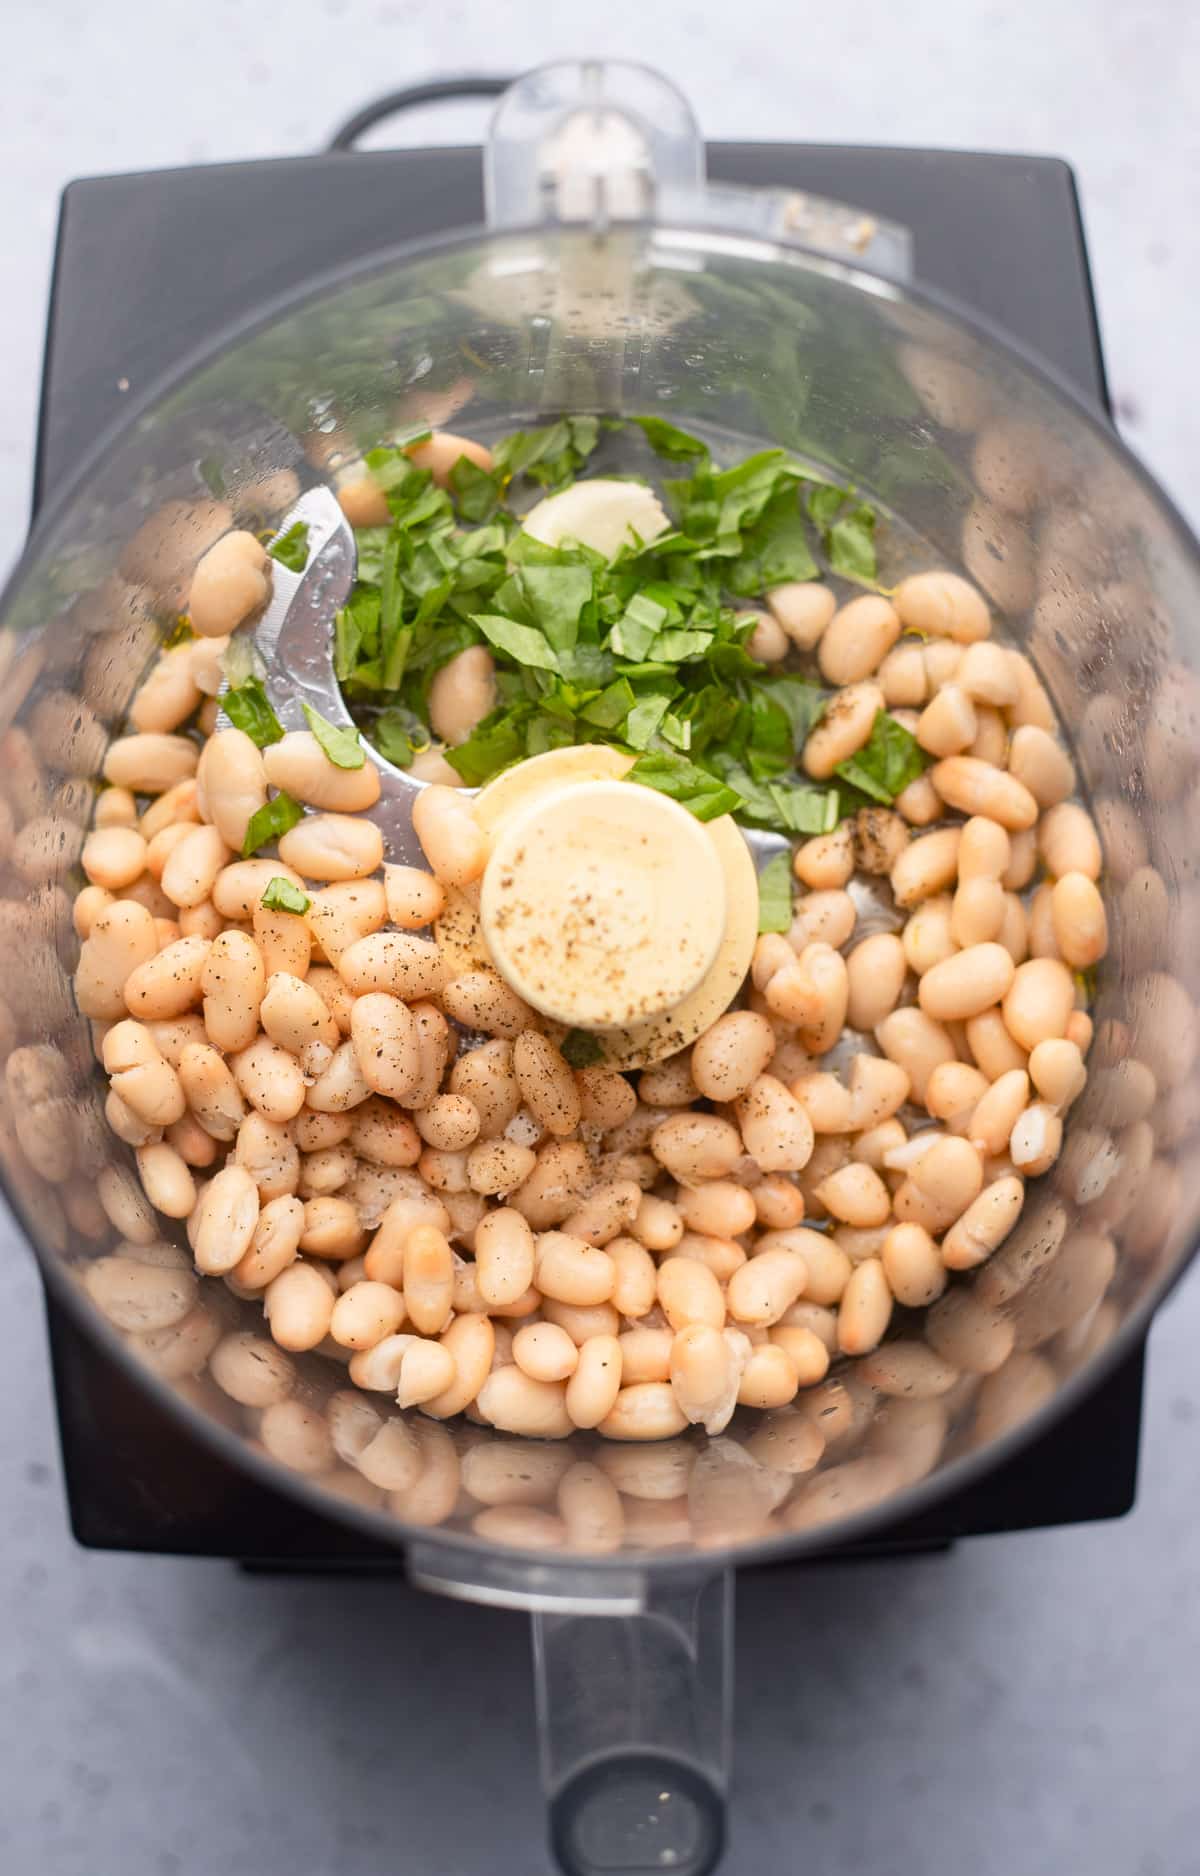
(1018, 1704)
(1025, 1703)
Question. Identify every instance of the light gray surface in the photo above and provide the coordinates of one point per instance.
(149, 83)
(1024, 1704)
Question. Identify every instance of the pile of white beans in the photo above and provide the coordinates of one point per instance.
(399, 1164)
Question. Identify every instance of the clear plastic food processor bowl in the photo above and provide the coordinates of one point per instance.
(610, 279)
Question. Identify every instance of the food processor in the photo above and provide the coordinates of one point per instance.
(611, 278)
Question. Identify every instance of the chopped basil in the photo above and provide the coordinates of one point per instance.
(694, 788)
(240, 660)
(579, 1048)
(494, 744)
(850, 545)
(610, 709)
(212, 477)
(648, 652)
(799, 808)
(399, 734)
(890, 759)
(248, 708)
(342, 746)
(282, 896)
(291, 549)
(638, 627)
(775, 894)
(556, 597)
(644, 719)
(476, 490)
(666, 440)
(409, 435)
(524, 643)
(552, 455)
(270, 822)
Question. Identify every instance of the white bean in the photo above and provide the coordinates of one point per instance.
(875, 972)
(977, 787)
(942, 603)
(170, 983)
(397, 962)
(966, 984)
(846, 726)
(191, 870)
(233, 980)
(804, 609)
(451, 838)
(414, 898)
(462, 693)
(857, 639)
(865, 1309)
(299, 765)
(227, 1216)
(150, 764)
(332, 847)
(231, 581)
(234, 784)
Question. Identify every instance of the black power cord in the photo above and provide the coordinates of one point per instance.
(434, 91)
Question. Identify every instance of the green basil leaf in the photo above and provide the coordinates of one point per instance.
(395, 658)
(291, 549)
(803, 809)
(890, 759)
(212, 477)
(354, 628)
(240, 660)
(694, 788)
(494, 744)
(588, 666)
(823, 501)
(743, 491)
(282, 896)
(716, 717)
(409, 435)
(399, 734)
(524, 643)
(637, 629)
(390, 468)
(248, 708)
(556, 597)
(546, 733)
(370, 545)
(850, 545)
(579, 1048)
(611, 707)
(678, 646)
(643, 720)
(475, 490)
(783, 807)
(666, 440)
(677, 731)
(775, 894)
(552, 455)
(768, 730)
(775, 549)
(270, 822)
(342, 746)
(802, 701)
